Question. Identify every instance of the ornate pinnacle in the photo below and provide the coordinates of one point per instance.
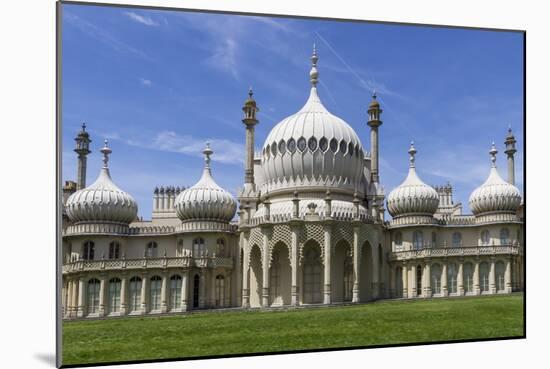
(493, 152)
(412, 153)
(106, 151)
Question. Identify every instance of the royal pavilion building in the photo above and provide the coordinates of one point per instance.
(308, 227)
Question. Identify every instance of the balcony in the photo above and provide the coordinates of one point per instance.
(455, 251)
(146, 263)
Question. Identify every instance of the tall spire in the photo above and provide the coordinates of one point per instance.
(82, 149)
(493, 152)
(106, 151)
(510, 145)
(412, 153)
(374, 122)
(314, 73)
(249, 120)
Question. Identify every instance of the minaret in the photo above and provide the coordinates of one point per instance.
(82, 149)
(510, 144)
(374, 122)
(250, 109)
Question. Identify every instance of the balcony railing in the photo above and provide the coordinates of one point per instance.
(456, 251)
(147, 263)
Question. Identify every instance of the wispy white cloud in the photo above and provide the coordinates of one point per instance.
(143, 19)
(103, 36)
(225, 57)
(145, 82)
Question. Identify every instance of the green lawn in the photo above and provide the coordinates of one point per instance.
(237, 332)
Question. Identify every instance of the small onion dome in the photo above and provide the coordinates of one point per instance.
(495, 195)
(412, 197)
(102, 201)
(205, 200)
(374, 103)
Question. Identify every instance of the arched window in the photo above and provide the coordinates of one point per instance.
(436, 279)
(282, 147)
(220, 247)
(504, 236)
(220, 291)
(343, 147)
(114, 295)
(175, 292)
(152, 250)
(452, 278)
(418, 240)
(93, 296)
(323, 144)
(198, 247)
(418, 280)
(135, 294)
(88, 249)
(302, 144)
(154, 293)
(312, 275)
(179, 249)
(291, 145)
(348, 278)
(468, 277)
(485, 238)
(484, 277)
(333, 145)
(457, 239)
(312, 144)
(398, 241)
(499, 271)
(275, 279)
(114, 250)
(434, 239)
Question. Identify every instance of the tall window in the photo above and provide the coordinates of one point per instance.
(220, 247)
(436, 279)
(418, 240)
(135, 294)
(88, 250)
(114, 295)
(198, 247)
(452, 277)
(457, 239)
(196, 291)
(398, 241)
(152, 250)
(504, 236)
(418, 280)
(312, 276)
(93, 296)
(434, 239)
(499, 271)
(179, 249)
(275, 279)
(175, 292)
(485, 238)
(154, 293)
(114, 250)
(348, 278)
(484, 277)
(468, 271)
(220, 291)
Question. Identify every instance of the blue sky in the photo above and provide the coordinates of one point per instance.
(159, 84)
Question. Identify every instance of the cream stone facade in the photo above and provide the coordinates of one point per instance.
(308, 228)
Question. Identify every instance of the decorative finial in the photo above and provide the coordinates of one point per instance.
(106, 151)
(412, 153)
(493, 152)
(374, 93)
(250, 92)
(83, 126)
(207, 152)
(509, 128)
(313, 73)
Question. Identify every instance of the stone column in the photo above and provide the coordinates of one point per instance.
(124, 295)
(460, 277)
(356, 269)
(404, 275)
(202, 289)
(144, 293)
(246, 278)
(492, 284)
(102, 306)
(328, 262)
(294, 246)
(507, 277)
(414, 281)
(212, 288)
(68, 303)
(444, 282)
(427, 279)
(184, 282)
(236, 290)
(164, 294)
(81, 303)
(265, 269)
(227, 294)
(477, 290)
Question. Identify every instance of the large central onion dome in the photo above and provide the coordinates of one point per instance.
(102, 201)
(312, 148)
(205, 200)
(495, 195)
(412, 197)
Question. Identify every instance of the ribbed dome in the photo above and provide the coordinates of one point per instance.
(495, 195)
(102, 201)
(205, 200)
(412, 197)
(312, 148)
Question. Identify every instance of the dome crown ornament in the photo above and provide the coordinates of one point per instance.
(495, 195)
(413, 196)
(205, 200)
